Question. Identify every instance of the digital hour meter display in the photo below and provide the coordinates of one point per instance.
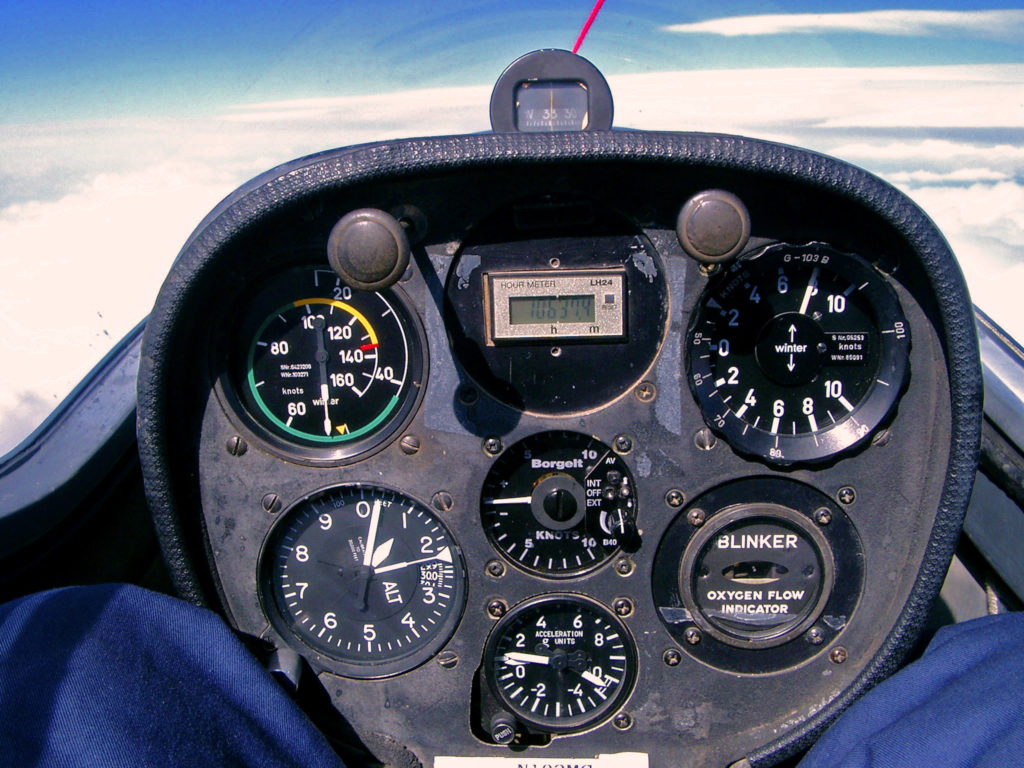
(541, 306)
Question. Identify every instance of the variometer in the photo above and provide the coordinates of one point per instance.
(559, 503)
(798, 353)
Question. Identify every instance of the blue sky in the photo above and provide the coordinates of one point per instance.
(123, 123)
(72, 60)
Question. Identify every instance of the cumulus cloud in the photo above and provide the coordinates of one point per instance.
(130, 191)
(990, 24)
(959, 176)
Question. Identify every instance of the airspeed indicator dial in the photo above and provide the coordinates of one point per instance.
(328, 371)
(798, 353)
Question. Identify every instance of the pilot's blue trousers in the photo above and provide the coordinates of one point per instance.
(118, 676)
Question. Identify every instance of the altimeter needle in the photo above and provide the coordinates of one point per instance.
(371, 537)
(444, 555)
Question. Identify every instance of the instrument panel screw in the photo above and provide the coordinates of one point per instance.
(881, 438)
(442, 501)
(410, 444)
(237, 446)
(846, 495)
(448, 659)
(823, 516)
(623, 721)
(271, 503)
(555, 262)
(838, 655)
(675, 498)
(624, 566)
(692, 635)
(672, 657)
(815, 636)
(696, 517)
(646, 391)
(496, 609)
(705, 439)
(623, 444)
(493, 446)
(496, 569)
(708, 269)
(623, 607)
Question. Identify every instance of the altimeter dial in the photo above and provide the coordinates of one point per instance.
(366, 577)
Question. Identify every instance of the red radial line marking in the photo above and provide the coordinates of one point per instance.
(368, 347)
(586, 27)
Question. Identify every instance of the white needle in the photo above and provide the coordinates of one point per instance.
(371, 537)
(593, 679)
(444, 555)
(382, 552)
(325, 395)
(812, 287)
(511, 500)
(515, 657)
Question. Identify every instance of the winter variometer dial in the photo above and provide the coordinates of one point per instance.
(798, 353)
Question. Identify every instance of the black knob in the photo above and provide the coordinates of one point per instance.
(368, 249)
(503, 728)
(713, 226)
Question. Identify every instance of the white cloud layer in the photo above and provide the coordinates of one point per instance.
(989, 24)
(95, 212)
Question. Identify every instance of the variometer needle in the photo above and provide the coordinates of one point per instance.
(812, 286)
(510, 500)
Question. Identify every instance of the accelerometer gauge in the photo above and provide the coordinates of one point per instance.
(798, 353)
(366, 577)
(328, 368)
(558, 504)
(560, 663)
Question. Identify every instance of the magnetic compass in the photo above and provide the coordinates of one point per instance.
(798, 353)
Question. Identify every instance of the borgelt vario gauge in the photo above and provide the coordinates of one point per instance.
(366, 577)
(559, 504)
(560, 663)
(798, 353)
(327, 367)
